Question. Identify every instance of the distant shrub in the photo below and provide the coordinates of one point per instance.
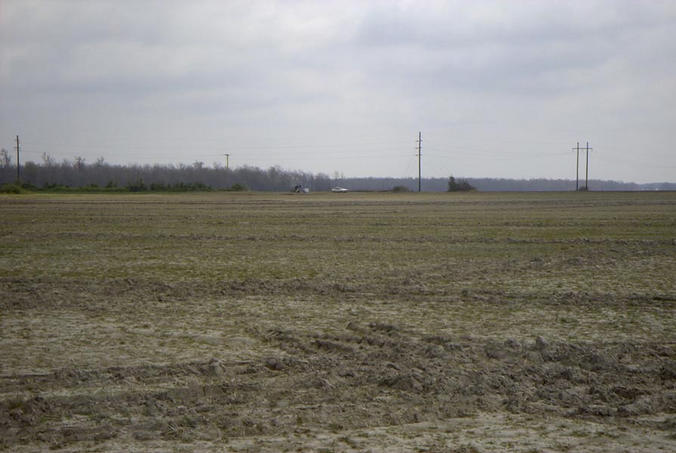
(50, 187)
(459, 186)
(11, 188)
(187, 187)
(137, 186)
(89, 188)
(161, 187)
(400, 189)
(28, 186)
(238, 188)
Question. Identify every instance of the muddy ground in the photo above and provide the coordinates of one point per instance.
(422, 357)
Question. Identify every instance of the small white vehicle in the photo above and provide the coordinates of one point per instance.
(339, 189)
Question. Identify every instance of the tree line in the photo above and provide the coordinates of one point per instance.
(78, 173)
(494, 184)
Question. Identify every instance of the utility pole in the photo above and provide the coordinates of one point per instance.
(577, 167)
(419, 164)
(18, 162)
(586, 176)
(227, 161)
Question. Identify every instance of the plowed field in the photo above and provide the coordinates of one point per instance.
(533, 322)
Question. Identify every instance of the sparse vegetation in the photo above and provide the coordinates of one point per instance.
(111, 187)
(238, 188)
(399, 189)
(11, 188)
(459, 186)
(380, 321)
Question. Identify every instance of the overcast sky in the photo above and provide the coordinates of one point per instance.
(497, 88)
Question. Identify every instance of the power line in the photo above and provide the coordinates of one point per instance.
(633, 162)
(491, 152)
(498, 156)
(178, 144)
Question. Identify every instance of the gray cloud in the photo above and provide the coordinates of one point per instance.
(310, 84)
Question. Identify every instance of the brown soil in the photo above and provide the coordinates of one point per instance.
(366, 322)
(362, 377)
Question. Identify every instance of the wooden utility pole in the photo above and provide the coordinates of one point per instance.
(586, 175)
(18, 162)
(577, 168)
(419, 162)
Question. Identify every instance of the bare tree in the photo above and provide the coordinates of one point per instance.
(5, 158)
(48, 160)
(79, 162)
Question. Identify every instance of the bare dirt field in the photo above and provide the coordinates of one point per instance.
(530, 322)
